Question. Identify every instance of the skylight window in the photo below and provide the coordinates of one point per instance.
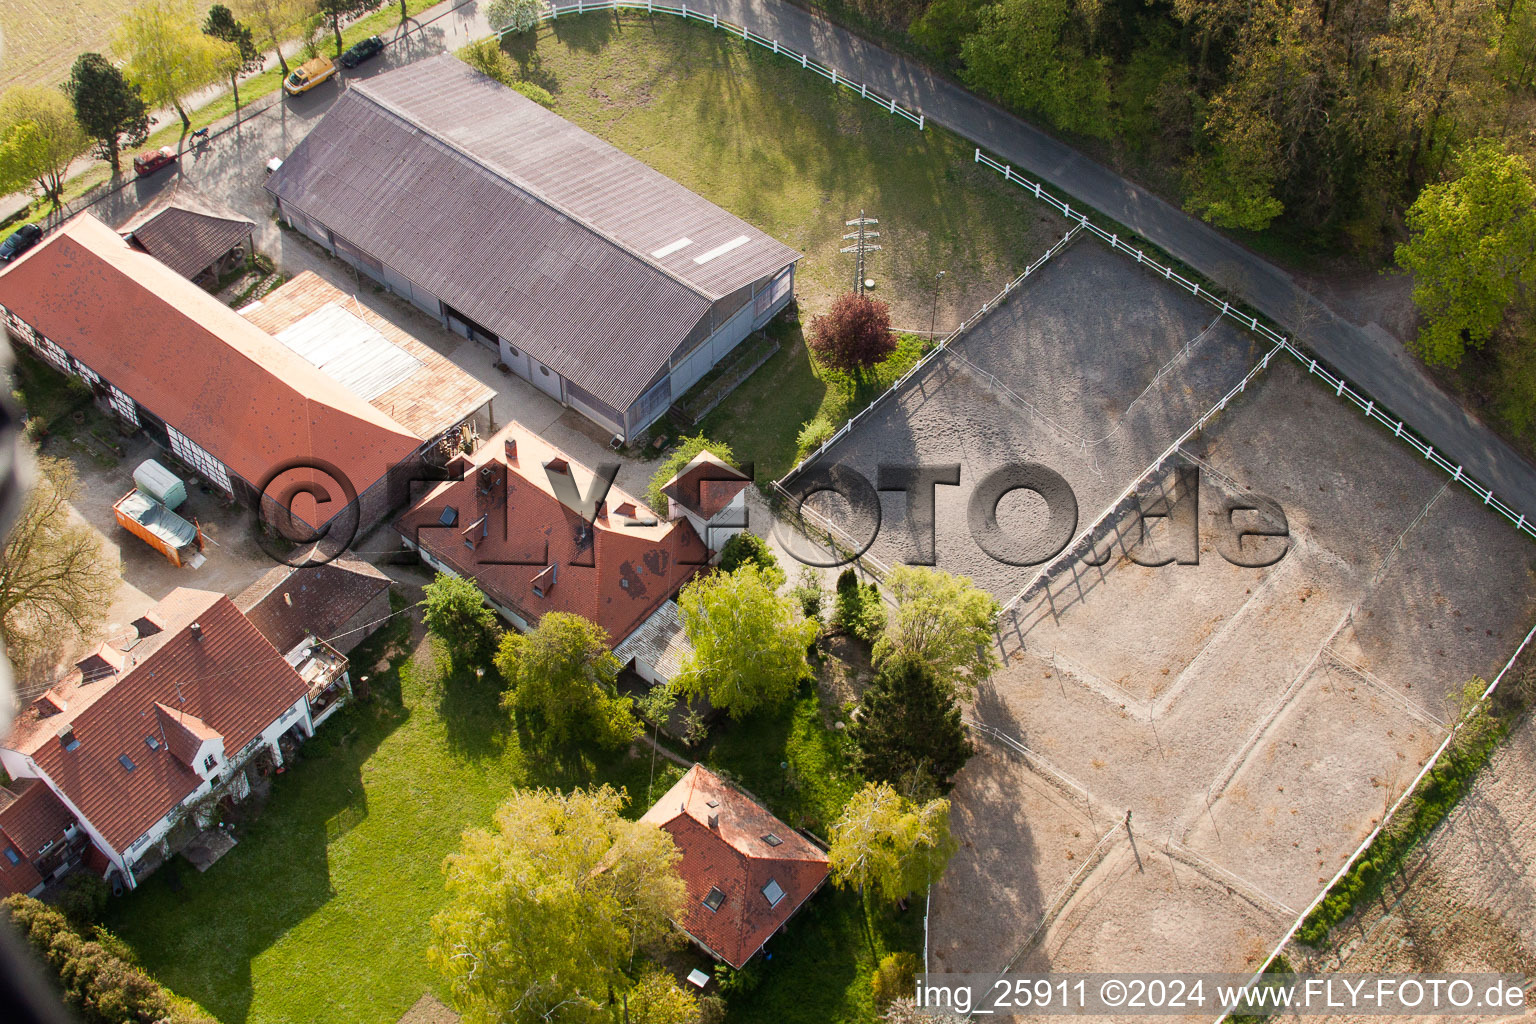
(715, 899)
(449, 517)
(772, 892)
(773, 840)
(12, 856)
(152, 742)
(125, 761)
(721, 250)
(672, 247)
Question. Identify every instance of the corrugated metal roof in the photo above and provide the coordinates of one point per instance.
(186, 234)
(349, 351)
(522, 221)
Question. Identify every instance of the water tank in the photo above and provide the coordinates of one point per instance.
(160, 483)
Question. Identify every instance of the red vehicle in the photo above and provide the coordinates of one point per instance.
(148, 163)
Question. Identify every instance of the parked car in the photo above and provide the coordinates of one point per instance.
(311, 74)
(370, 47)
(19, 241)
(148, 163)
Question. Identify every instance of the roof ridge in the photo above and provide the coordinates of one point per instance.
(362, 89)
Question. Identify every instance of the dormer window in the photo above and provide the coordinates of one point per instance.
(716, 898)
(67, 738)
(773, 892)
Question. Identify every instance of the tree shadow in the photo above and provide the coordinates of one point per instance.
(469, 704)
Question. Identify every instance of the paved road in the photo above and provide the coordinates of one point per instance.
(1370, 357)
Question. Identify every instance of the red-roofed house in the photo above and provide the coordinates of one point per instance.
(39, 838)
(225, 397)
(745, 871)
(710, 494)
(155, 721)
(519, 525)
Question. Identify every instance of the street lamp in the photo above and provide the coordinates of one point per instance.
(934, 319)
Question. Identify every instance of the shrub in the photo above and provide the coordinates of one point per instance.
(859, 611)
(84, 898)
(807, 590)
(895, 977)
(749, 547)
(813, 435)
(853, 335)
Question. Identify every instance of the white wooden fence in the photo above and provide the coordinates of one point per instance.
(555, 11)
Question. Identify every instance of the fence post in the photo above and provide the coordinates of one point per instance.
(802, 60)
(714, 21)
(775, 46)
(834, 76)
(863, 92)
(920, 121)
(978, 154)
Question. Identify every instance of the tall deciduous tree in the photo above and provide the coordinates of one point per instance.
(241, 56)
(944, 621)
(39, 136)
(270, 22)
(748, 642)
(908, 731)
(1033, 54)
(334, 12)
(564, 671)
(657, 999)
(167, 55)
(883, 842)
(56, 580)
(854, 334)
(455, 613)
(545, 908)
(513, 16)
(1472, 245)
(108, 107)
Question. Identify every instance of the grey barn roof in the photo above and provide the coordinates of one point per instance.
(522, 221)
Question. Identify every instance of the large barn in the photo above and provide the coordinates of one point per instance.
(608, 285)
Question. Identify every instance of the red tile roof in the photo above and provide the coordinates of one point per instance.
(34, 817)
(242, 395)
(228, 676)
(288, 604)
(734, 856)
(615, 570)
(706, 485)
(184, 733)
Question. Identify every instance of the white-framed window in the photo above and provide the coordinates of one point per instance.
(206, 466)
(123, 405)
(87, 374)
(50, 351)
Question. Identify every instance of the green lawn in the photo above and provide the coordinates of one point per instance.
(321, 912)
(785, 150)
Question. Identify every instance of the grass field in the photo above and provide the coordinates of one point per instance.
(321, 912)
(791, 154)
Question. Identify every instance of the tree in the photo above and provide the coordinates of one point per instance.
(656, 999)
(942, 620)
(39, 136)
(270, 21)
(241, 56)
(334, 12)
(858, 608)
(895, 976)
(84, 898)
(564, 671)
(1033, 55)
(109, 109)
(748, 642)
(168, 57)
(512, 16)
(885, 843)
(1471, 246)
(686, 451)
(546, 907)
(56, 582)
(854, 335)
(744, 548)
(908, 731)
(455, 613)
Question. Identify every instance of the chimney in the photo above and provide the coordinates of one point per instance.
(196, 629)
(287, 599)
(512, 449)
(602, 510)
(714, 821)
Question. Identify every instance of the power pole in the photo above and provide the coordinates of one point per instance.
(862, 246)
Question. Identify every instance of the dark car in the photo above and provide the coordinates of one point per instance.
(370, 47)
(19, 241)
(148, 163)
